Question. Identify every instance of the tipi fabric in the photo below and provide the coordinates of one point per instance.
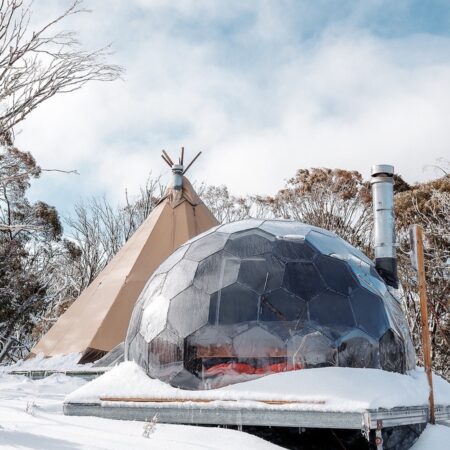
(98, 320)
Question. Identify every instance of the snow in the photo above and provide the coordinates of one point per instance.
(40, 362)
(329, 389)
(433, 438)
(31, 418)
(31, 411)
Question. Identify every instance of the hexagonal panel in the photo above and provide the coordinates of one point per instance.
(153, 287)
(280, 305)
(168, 263)
(311, 350)
(186, 379)
(247, 244)
(202, 235)
(217, 271)
(210, 244)
(285, 227)
(135, 321)
(331, 308)
(207, 340)
(398, 323)
(181, 307)
(165, 354)
(357, 349)
(329, 244)
(261, 273)
(392, 352)
(257, 342)
(240, 225)
(154, 317)
(369, 312)
(336, 274)
(291, 250)
(302, 279)
(233, 304)
(137, 351)
(180, 277)
(364, 274)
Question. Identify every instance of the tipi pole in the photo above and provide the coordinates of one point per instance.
(192, 162)
(168, 157)
(164, 158)
(426, 342)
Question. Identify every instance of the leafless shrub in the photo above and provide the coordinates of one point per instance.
(150, 426)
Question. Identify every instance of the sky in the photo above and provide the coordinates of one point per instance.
(262, 87)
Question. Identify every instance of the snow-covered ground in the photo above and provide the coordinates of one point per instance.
(31, 418)
(40, 362)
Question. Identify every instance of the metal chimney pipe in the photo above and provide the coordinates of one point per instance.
(177, 170)
(382, 182)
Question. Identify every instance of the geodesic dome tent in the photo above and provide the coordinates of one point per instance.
(257, 297)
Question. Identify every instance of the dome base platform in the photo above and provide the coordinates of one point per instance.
(261, 414)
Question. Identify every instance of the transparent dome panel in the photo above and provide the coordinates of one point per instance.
(281, 305)
(240, 225)
(180, 311)
(176, 256)
(238, 303)
(303, 279)
(358, 351)
(336, 274)
(233, 304)
(244, 245)
(330, 308)
(210, 244)
(310, 350)
(369, 312)
(285, 227)
(217, 271)
(392, 352)
(291, 250)
(261, 273)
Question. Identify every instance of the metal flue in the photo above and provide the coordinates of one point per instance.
(178, 170)
(382, 182)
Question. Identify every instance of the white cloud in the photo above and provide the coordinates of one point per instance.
(259, 99)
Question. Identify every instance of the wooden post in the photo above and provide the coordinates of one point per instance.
(426, 342)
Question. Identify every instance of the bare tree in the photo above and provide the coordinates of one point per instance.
(224, 206)
(37, 64)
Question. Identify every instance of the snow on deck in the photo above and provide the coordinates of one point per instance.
(323, 389)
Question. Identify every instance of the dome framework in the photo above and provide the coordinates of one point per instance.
(256, 297)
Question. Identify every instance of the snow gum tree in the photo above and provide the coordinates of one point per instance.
(36, 63)
(335, 199)
(428, 204)
(25, 229)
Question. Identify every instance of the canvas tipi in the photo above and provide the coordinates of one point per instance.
(98, 319)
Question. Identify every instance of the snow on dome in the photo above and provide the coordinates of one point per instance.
(256, 297)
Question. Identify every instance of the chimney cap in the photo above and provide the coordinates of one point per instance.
(382, 170)
(177, 168)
